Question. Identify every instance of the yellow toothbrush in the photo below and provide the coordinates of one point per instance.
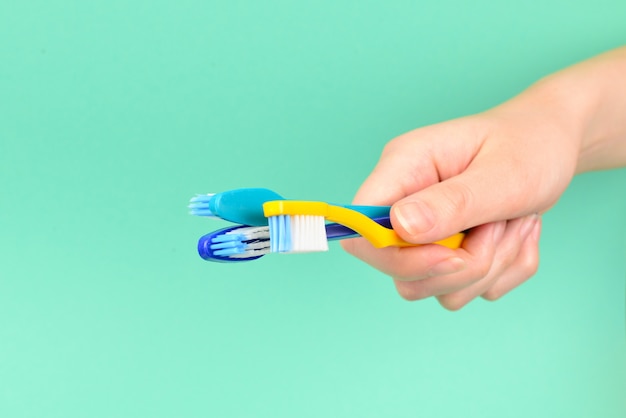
(298, 226)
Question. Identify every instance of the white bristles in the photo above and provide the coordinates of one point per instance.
(298, 234)
(252, 232)
(308, 234)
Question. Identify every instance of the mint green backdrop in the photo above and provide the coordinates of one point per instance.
(113, 113)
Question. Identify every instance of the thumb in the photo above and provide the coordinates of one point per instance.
(479, 195)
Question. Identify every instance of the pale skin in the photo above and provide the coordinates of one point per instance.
(494, 174)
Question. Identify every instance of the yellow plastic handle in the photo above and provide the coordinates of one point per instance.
(376, 234)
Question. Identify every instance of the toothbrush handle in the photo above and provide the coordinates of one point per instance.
(335, 232)
(370, 211)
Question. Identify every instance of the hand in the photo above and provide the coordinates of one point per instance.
(494, 173)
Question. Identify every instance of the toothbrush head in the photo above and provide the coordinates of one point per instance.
(235, 243)
(240, 206)
(199, 205)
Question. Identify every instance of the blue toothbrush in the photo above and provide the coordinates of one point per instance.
(246, 243)
(245, 206)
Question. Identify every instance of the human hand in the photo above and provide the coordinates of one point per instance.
(494, 173)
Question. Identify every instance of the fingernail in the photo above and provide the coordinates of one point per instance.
(415, 217)
(448, 266)
(528, 225)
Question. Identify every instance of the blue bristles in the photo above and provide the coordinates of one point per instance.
(199, 205)
(280, 234)
(242, 242)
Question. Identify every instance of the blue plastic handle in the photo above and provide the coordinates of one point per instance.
(245, 206)
(370, 211)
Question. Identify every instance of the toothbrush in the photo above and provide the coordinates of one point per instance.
(235, 243)
(297, 226)
(241, 206)
(246, 243)
(245, 206)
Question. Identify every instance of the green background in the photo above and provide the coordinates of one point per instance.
(114, 113)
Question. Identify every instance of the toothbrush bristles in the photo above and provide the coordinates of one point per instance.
(245, 242)
(297, 234)
(202, 197)
(199, 205)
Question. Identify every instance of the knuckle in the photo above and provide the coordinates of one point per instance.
(392, 147)
(459, 198)
(411, 291)
(529, 264)
(452, 302)
(492, 294)
(481, 269)
(507, 259)
(506, 256)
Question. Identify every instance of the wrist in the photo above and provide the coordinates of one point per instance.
(554, 114)
(592, 95)
(586, 103)
(574, 102)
